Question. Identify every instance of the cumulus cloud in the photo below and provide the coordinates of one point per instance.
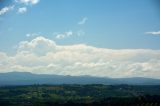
(6, 9)
(154, 33)
(38, 46)
(83, 21)
(64, 35)
(22, 10)
(42, 55)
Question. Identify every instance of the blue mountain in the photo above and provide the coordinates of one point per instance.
(26, 78)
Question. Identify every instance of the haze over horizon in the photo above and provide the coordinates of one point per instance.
(107, 38)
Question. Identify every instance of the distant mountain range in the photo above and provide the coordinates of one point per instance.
(26, 78)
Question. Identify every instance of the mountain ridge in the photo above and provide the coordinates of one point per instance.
(27, 78)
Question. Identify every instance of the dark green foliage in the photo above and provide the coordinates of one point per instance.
(80, 95)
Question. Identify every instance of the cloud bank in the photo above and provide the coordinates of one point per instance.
(42, 55)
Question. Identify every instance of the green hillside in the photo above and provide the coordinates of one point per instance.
(83, 95)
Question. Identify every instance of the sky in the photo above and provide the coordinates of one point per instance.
(107, 38)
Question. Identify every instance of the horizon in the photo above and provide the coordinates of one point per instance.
(108, 38)
(80, 75)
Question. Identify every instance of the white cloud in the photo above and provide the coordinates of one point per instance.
(39, 46)
(64, 35)
(6, 9)
(69, 34)
(83, 21)
(27, 2)
(22, 10)
(154, 33)
(60, 36)
(42, 55)
(33, 34)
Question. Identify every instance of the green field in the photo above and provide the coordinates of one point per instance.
(80, 95)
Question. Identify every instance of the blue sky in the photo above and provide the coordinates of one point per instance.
(128, 27)
(111, 23)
